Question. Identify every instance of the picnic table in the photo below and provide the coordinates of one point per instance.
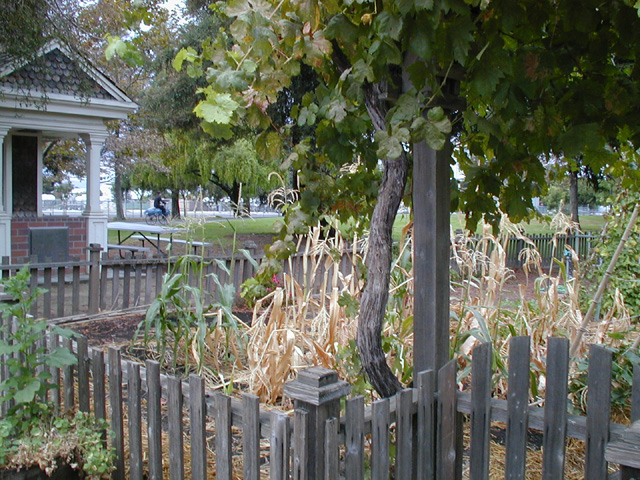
(150, 233)
(188, 243)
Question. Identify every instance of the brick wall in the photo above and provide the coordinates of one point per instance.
(20, 235)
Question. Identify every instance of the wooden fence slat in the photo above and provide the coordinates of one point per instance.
(115, 403)
(404, 427)
(67, 379)
(224, 468)
(126, 285)
(555, 409)
(380, 420)
(41, 346)
(354, 438)
(481, 412)
(136, 285)
(517, 406)
(60, 292)
(52, 341)
(331, 450)
(446, 447)
(176, 447)
(197, 424)
(251, 436)
(159, 278)
(148, 269)
(279, 447)
(4, 368)
(115, 286)
(75, 290)
(33, 284)
(83, 374)
(154, 420)
(598, 412)
(134, 393)
(13, 328)
(425, 442)
(46, 310)
(104, 282)
(635, 395)
(99, 398)
(300, 439)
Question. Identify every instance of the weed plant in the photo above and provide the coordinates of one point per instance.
(33, 432)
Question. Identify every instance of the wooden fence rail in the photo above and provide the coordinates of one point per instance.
(155, 420)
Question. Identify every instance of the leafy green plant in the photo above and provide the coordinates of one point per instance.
(25, 353)
(31, 433)
(624, 359)
(627, 270)
(75, 440)
(182, 320)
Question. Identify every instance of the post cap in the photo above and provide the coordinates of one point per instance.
(317, 386)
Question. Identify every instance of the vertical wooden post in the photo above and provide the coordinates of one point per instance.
(94, 277)
(115, 402)
(198, 421)
(317, 391)
(431, 214)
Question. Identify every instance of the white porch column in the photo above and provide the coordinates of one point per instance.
(96, 218)
(5, 191)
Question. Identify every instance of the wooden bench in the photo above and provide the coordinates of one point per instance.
(193, 244)
(128, 248)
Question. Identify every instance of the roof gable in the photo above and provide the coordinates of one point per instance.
(58, 71)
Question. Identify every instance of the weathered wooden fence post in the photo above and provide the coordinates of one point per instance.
(317, 391)
(94, 277)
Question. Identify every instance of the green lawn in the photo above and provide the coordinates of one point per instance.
(222, 230)
(218, 230)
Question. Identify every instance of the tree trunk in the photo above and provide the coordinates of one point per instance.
(373, 303)
(117, 195)
(175, 203)
(573, 196)
(235, 199)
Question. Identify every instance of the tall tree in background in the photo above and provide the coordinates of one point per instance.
(61, 159)
(519, 82)
(149, 28)
(26, 25)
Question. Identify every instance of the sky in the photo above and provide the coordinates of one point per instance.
(173, 4)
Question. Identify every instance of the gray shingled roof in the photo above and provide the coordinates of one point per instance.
(55, 73)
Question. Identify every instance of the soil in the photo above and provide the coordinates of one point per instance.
(110, 330)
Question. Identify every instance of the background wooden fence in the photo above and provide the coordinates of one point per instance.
(156, 419)
(105, 284)
(549, 247)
